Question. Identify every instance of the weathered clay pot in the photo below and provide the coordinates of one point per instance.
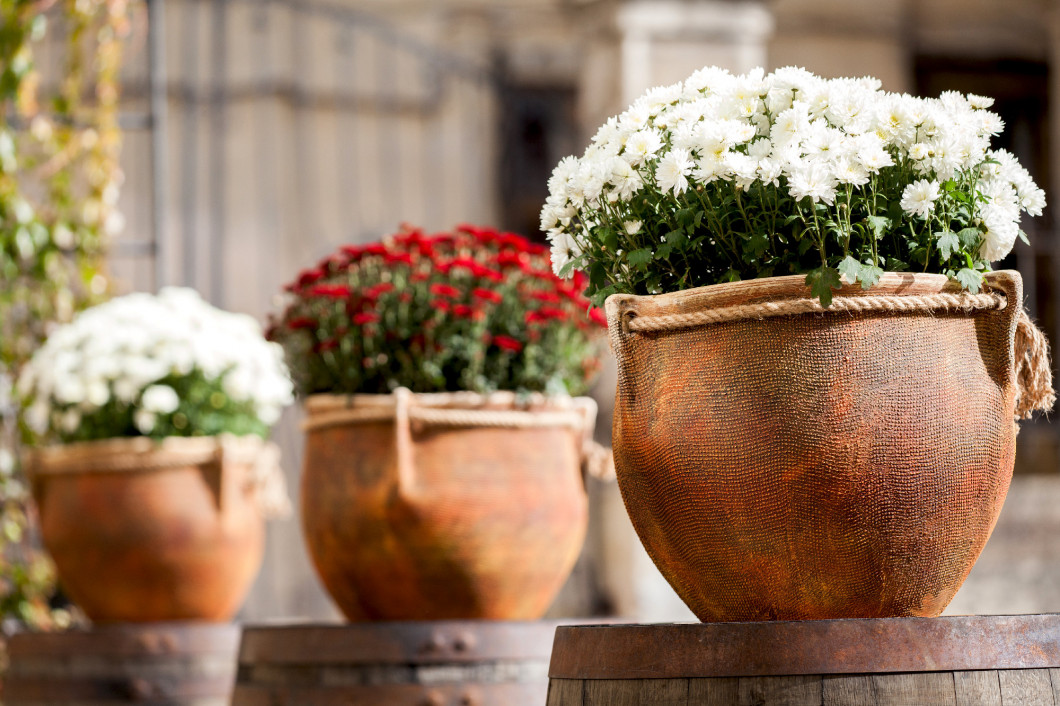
(148, 531)
(848, 464)
(411, 513)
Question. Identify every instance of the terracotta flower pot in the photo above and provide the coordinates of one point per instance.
(148, 531)
(848, 464)
(444, 506)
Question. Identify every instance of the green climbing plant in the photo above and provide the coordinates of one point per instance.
(59, 181)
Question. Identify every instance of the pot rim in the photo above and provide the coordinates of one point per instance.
(130, 453)
(499, 400)
(788, 287)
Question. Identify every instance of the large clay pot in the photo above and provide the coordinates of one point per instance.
(148, 531)
(848, 464)
(412, 513)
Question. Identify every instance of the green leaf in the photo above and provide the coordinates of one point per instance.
(970, 280)
(598, 275)
(677, 238)
(731, 276)
(640, 258)
(598, 298)
(969, 237)
(879, 225)
(567, 268)
(947, 243)
(609, 238)
(663, 251)
(821, 282)
(896, 265)
(756, 245)
(870, 275)
(851, 269)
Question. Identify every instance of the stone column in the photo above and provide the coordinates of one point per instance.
(663, 41)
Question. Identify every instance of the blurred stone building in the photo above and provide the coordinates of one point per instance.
(264, 133)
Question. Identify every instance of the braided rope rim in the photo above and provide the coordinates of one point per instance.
(141, 454)
(498, 419)
(791, 307)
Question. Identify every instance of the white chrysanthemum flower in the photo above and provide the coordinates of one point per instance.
(160, 399)
(70, 420)
(631, 227)
(979, 102)
(145, 421)
(564, 249)
(814, 181)
(626, 180)
(919, 151)
(642, 146)
(848, 171)
(919, 198)
(673, 171)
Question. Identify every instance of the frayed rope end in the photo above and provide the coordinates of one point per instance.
(1034, 373)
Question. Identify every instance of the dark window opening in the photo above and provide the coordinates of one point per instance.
(538, 129)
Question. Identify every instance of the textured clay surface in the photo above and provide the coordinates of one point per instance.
(174, 544)
(815, 466)
(489, 526)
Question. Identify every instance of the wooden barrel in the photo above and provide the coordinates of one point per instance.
(447, 663)
(190, 664)
(954, 661)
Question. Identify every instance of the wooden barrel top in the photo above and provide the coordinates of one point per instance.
(129, 640)
(398, 642)
(147, 663)
(812, 647)
(443, 663)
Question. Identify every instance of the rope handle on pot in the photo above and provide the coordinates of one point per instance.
(1033, 373)
(406, 415)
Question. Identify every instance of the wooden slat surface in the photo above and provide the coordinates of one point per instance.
(977, 688)
(848, 690)
(1028, 687)
(713, 692)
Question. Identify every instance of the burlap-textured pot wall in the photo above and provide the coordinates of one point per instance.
(444, 506)
(152, 531)
(848, 464)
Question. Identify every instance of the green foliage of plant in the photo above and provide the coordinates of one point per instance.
(59, 177)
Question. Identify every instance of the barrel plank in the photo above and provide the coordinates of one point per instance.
(848, 690)
(980, 688)
(923, 689)
(779, 691)
(612, 692)
(1054, 678)
(1027, 687)
(566, 692)
(723, 691)
(663, 692)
